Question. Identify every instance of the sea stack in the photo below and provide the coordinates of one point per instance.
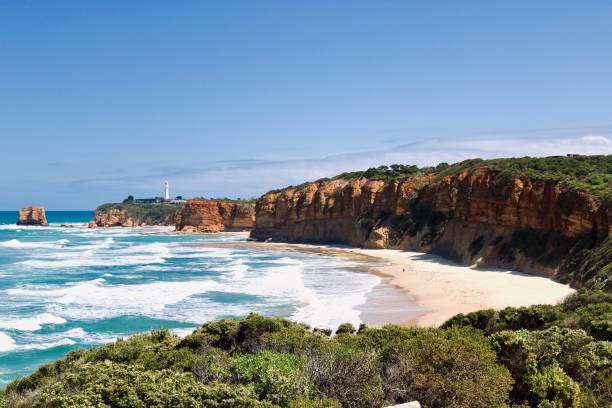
(32, 216)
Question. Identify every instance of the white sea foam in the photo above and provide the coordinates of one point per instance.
(236, 268)
(159, 248)
(96, 299)
(6, 343)
(16, 244)
(45, 345)
(31, 323)
(76, 333)
(89, 260)
(319, 289)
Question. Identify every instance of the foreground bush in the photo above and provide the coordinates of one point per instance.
(271, 362)
(587, 310)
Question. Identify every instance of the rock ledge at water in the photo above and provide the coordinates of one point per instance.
(32, 216)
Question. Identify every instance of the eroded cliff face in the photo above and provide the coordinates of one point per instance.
(114, 217)
(32, 216)
(215, 216)
(127, 216)
(476, 217)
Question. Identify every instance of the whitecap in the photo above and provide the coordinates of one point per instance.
(16, 244)
(6, 342)
(96, 299)
(92, 260)
(44, 346)
(31, 323)
(237, 269)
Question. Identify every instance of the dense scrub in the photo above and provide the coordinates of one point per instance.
(588, 311)
(587, 173)
(584, 173)
(563, 351)
(272, 362)
(150, 214)
(238, 200)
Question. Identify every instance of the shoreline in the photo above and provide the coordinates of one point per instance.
(441, 288)
(421, 289)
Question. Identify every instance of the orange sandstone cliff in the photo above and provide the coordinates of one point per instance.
(216, 216)
(476, 217)
(32, 216)
(134, 215)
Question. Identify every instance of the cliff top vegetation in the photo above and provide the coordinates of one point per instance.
(592, 174)
(238, 200)
(151, 214)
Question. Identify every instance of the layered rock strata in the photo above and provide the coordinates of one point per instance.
(476, 217)
(216, 216)
(118, 215)
(32, 216)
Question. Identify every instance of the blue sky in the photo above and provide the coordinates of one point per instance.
(232, 98)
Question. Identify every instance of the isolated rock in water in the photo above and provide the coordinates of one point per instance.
(32, 216)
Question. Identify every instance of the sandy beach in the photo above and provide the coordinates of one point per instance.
(446, 288)
(441, 288)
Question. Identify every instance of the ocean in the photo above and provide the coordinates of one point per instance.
(67, 287)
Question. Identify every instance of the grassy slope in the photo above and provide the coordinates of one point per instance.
(539, 357)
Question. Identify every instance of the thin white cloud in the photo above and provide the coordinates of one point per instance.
(252, 178)
(596, 140)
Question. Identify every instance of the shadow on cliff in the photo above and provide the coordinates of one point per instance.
(438, 260)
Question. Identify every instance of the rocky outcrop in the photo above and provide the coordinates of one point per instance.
(135, 215)
(477, 217)
(32, 216)
(113, 217)
(216, 216)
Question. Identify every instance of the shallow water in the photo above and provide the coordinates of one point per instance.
(63, 288)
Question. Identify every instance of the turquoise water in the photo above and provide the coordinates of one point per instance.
(63, 288)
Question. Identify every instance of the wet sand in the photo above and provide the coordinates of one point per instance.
(425, 290)
(435, 289)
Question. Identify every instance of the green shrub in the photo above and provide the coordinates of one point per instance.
(350, 376)
(552, 387)
(443, 368)
(318, 403)
(587, 310)
(266, 362)
(120, 385)
(551, 366)
(220, 333)
(345, 328)
(277, 378)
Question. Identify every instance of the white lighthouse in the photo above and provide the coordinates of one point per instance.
(166, 190)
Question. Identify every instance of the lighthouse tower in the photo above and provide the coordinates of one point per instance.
(166, 190)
